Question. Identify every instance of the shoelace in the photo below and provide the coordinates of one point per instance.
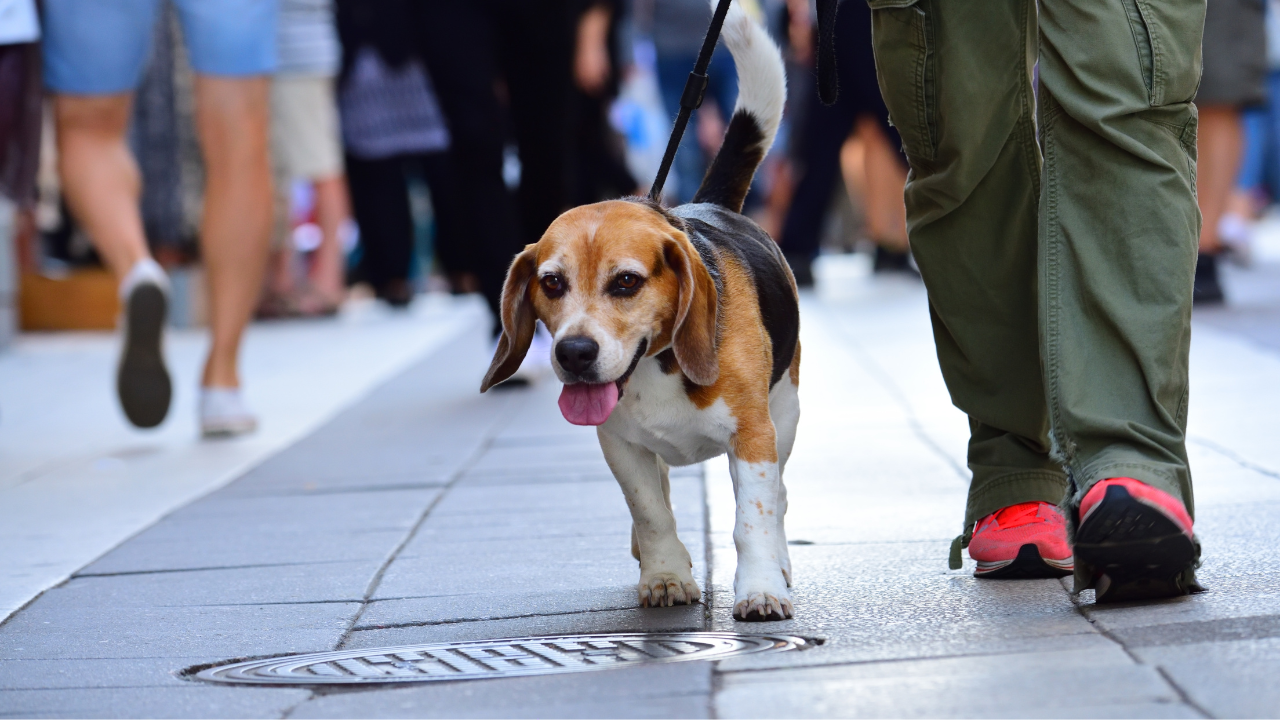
(1018, 515)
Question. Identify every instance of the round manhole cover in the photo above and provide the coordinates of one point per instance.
(496, 658)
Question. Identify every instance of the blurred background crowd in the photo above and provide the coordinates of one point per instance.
(277, 158)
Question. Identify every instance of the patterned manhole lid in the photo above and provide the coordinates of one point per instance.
(496, 658)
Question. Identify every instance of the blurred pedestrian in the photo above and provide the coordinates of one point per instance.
(677, 28)
(858, 113)
(392, 127)
(1235, 75)
(534, 47)
(20, 100)
(307, 147)
(600, 169)
(455, 42)
(94, 55)
(1059, 283)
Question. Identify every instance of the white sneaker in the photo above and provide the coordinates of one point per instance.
(537, 362)
(142, 380)
(223, 413)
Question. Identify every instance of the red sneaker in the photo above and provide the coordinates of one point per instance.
(1136, 541)
(1027, 540)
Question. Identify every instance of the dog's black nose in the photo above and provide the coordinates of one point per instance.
(577, 354)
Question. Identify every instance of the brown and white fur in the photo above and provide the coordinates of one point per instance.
(675, 332)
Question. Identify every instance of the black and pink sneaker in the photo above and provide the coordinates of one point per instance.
(1135, 542)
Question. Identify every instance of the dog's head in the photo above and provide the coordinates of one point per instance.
(613, 282)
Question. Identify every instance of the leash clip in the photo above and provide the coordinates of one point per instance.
(694, 90)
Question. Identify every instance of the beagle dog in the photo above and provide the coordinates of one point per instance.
(675, 333)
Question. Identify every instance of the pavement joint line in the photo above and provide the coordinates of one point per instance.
(873, 368)
(1234, 457)
(459, 621)
(1104, 632)
(479, 451)
(348, 490)
(166, 571)
(874, 661)
(1182, 694)
(271, 603)
(481, 448)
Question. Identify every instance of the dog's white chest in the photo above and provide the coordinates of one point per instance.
(656, 413)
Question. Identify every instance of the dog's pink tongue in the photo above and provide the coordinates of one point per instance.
(587, 403)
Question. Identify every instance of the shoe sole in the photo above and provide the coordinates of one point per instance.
(1135, 551)
(142, 380)
(1028, 565)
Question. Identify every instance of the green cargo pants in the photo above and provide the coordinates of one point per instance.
(1059, 273)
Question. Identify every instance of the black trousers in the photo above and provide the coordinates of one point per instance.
(825, 130)
(380, 201)
(500, 68)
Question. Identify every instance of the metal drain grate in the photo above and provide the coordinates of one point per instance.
(509, 657)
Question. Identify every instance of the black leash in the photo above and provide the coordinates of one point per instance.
(696, 86)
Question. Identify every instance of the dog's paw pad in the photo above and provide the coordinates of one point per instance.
(666, 590)
(763, 607)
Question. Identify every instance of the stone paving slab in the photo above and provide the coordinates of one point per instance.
(679, 690)
(210, 631)
(1049, 684)
(537, 622)
(266, 548)
(169, 702)
(92, 673)
(328, 582)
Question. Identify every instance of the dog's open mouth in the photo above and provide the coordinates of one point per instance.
(592, 403)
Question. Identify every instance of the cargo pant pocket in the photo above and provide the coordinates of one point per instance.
(1167, 35)
(906, 69)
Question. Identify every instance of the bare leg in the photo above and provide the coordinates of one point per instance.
(99, 176)
(101, 183)
(885, 178)
(1221, 142)
(232, 122)
(333, 209)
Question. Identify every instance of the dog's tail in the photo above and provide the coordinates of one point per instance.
(762, 91)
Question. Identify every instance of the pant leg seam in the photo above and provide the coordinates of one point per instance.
(1051, 290)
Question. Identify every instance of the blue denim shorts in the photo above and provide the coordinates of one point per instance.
(100, 47)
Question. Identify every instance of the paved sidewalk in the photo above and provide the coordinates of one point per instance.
(426, 512)
(76, 479)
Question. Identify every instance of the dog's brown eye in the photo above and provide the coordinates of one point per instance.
(553, 285)
(625, 284)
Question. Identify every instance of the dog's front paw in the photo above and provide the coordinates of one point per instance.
(762, 595)
(664, 589)
(762, 607)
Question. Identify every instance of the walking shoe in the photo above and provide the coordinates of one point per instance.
(223, 413)
(1135, 542)
(1027, 540)
(1207, 289)
(890, 261)
(142, 380)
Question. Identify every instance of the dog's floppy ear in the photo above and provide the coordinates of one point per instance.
(694, 338)
(517, 319)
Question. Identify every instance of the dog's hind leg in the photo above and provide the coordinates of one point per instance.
(666, 569)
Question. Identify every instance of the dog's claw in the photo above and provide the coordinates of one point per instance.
(763, 607)
(667, 590)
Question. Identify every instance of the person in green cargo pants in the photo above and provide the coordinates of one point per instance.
(1056, 231)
